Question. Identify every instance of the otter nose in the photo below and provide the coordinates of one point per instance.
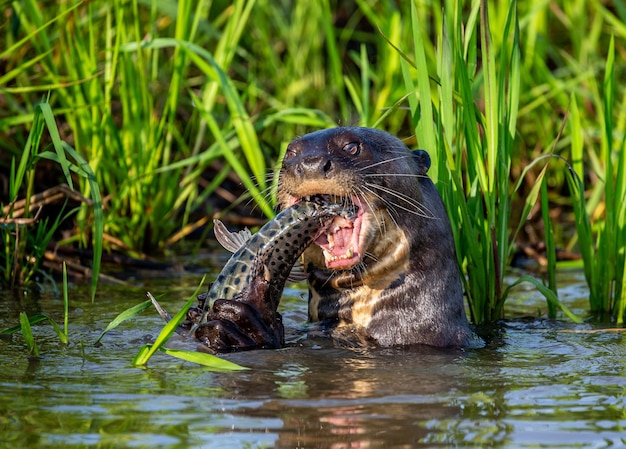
(306, 159)
(313, 166)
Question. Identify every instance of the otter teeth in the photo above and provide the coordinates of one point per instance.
(349, 254)
(330, 236)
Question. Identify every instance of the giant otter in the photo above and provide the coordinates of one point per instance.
(389, 276)
(383, 274)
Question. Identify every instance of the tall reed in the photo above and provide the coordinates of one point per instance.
(469, 116)
(128, 105)
(603, 246)
(23, 249)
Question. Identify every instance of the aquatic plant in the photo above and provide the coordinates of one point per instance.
(207, 360)
(574, 84)
(471, 114)
(26, 323)
(146, 95)
(211, 362)
(603, 246)
(24, 250)
(475, 139)
(144, 354)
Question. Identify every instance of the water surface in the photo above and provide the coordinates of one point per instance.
(538, 383)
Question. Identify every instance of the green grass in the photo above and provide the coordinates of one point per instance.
(603, 248)
(23, 248)
(26, 323)
(150, 94)
(469, 114)
(207, 360)
(471, 103)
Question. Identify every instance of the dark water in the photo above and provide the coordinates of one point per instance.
(537, 384)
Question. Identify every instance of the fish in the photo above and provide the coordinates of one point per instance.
(247, 292)
(274, 249)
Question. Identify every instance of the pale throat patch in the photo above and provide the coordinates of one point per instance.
(393, 264)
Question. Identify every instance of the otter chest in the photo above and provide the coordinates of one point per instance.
(355, 296)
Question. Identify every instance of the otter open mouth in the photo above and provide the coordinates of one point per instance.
(341, 240)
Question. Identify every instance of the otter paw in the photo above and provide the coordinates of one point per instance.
(239, 326)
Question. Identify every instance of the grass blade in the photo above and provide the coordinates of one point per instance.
(168, 330)
(208, 360)
(66, 302)
(425, 129)
(547, 293)
(28, 335)
(32, 320)
(62, 335)
(57, 143)
(550, 246)
(82, 168)
(127, 314)
(36, 319)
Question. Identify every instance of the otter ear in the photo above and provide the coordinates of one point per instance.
(423, 161)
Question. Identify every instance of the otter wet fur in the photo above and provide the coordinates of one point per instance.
(390, 275)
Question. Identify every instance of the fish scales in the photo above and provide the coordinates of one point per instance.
(274, 249)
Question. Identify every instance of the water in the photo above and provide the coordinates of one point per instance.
(538, 383)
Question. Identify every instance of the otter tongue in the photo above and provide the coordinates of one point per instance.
(337, 242)
(341, 238)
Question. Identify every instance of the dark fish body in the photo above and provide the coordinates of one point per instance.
(271, 252)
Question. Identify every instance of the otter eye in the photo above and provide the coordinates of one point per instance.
(289, 153)
(352, 148)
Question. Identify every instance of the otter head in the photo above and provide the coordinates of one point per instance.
(369, 168)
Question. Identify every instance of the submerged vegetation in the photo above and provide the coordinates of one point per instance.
(158, 114)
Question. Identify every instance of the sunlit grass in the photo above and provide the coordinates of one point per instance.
(207, 360)
(24, 249)
(125, 103)
(603, 249)
(473, 127)
(146, 352)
